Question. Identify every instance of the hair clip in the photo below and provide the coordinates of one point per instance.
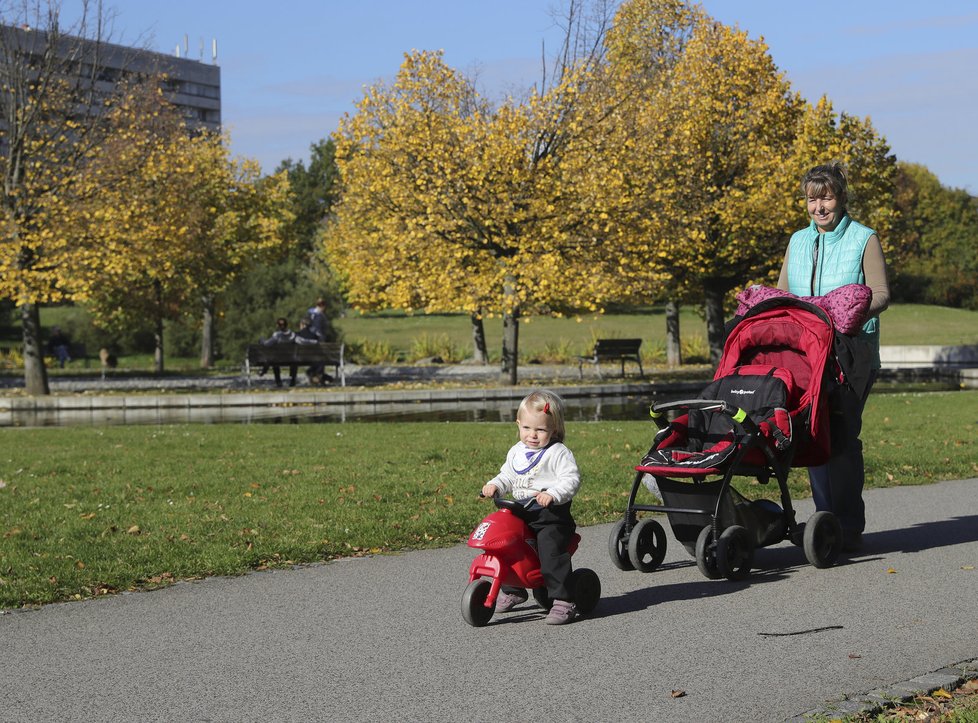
(546, 408)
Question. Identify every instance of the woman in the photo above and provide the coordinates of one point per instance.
(831, 252)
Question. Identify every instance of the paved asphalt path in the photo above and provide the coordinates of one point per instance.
(382, 639)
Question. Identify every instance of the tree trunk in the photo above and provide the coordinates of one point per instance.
(511, 339)
(480, 352)
(158, 333)
(35, 373)
(511, 332)
(207, 334)
(714, 322)
(674, 351)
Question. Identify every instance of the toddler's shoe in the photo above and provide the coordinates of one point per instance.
(506, 601)
(561, 613)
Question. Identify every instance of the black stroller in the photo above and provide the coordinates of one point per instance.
(765, 412)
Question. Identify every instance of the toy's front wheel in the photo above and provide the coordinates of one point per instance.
(822, 540)
(647, 545)
(618, 547)
(474, 610)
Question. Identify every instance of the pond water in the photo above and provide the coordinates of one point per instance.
(578, 409)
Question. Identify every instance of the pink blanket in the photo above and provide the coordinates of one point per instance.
(847, 306)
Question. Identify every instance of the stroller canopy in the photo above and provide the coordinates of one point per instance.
(790, 334)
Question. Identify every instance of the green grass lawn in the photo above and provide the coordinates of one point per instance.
(108, 509)
(545, 338)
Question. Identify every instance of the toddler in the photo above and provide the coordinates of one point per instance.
(541, 473)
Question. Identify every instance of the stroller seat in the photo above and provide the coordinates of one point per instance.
(703, 441)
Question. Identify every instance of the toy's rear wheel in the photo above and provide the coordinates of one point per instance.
(647, 545)
(542, 598)
(618, 547)
(706, 554)
(474, 610)
(587, 589)
(822, 540)
(735, 553)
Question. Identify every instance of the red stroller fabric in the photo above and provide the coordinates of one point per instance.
(774, 368)
(796, 336)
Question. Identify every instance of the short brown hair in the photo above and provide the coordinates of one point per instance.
(828, 177)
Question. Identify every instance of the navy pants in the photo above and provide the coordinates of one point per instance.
(554, 528)
(837, 486)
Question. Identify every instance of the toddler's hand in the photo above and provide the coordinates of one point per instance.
(544, 499)
(490, 491)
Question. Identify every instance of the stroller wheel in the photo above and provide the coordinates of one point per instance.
(647, 545)
(823, 539)
(706, 554)
(735, 553)
(474, 610)
(618, 548)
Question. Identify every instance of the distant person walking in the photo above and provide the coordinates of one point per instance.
(317, 319)
(831, 252)
(59, 346)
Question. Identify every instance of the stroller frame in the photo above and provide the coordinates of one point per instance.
(709, 517)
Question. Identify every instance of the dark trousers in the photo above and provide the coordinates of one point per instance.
(293, 371)
(837, 485)
(554, 528)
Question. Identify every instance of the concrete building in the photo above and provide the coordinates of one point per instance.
(191, 85)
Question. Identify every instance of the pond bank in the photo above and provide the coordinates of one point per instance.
(373, 392)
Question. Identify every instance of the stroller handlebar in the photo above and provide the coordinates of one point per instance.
(738, 415)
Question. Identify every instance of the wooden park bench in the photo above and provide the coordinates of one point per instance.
(325, 353)
(613, 350)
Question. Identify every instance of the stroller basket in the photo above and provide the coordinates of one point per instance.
(690, 507)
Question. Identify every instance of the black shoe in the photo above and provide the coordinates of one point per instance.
(852, 541)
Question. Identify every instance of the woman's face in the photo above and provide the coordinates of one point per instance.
(825, 209)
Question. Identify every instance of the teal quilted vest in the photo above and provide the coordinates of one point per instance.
(821, 262)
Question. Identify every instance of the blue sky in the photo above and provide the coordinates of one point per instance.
(290, 69)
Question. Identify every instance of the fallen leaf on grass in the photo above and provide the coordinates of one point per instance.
(678, 693)
(134, 530)
(941, 693)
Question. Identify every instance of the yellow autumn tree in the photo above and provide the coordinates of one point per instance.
(51, 106)
(720, 123)
(176, 216)
(451, 204)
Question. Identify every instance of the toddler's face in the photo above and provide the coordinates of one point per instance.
(535, 429)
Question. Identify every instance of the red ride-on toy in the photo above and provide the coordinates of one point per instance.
(510, 558)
